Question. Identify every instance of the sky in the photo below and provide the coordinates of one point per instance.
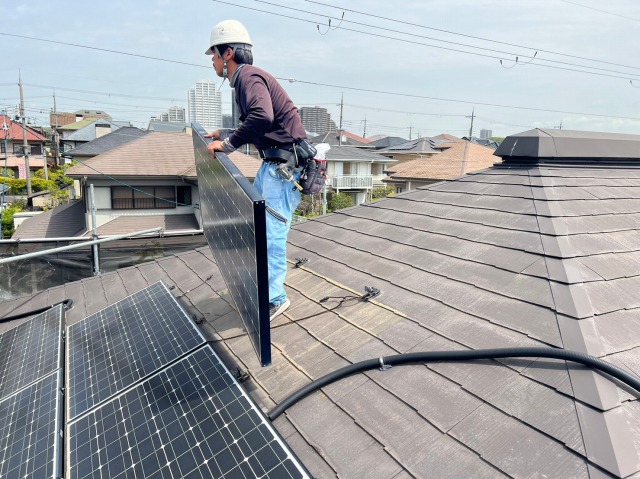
(402, 68)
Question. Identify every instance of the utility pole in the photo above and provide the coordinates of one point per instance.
(472, 117)
(364, 132)
(5, 130)
(25, 144)
(56, 135)
(560, 126)
(340, 130)
(410, 128)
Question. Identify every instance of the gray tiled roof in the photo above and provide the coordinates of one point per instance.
(107, 142)
(388, 141)
(510, 256)
(353, 154)
(62, 221)
(88, 133)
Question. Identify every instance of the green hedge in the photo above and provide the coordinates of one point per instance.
(19, 185)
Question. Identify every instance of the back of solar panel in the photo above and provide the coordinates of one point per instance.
(234, 223)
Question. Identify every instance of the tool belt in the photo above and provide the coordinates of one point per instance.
(278, 155)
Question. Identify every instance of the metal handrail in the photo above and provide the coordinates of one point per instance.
(35, 254)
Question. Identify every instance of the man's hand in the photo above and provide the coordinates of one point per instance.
(215, 145)
(214, 134)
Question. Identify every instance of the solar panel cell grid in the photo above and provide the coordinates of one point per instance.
(30, 421)
(116, 347)
(190, 420)
(30, 351)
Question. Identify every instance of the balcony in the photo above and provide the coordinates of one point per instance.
(352, 182)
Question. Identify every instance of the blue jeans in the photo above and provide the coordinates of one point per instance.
(281, 199)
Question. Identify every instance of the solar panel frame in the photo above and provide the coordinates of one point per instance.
(184, 421)
(30, 409)
(31, 350)
(234, 224)
(123, 343)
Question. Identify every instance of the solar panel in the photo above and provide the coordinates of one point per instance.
(125, 342)
(30, 427)
(234, 223)
(30, 351)
(190, 420)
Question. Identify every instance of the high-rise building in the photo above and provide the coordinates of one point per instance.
(174, 114)
(317, 120)
(205, 105)
(485, 134)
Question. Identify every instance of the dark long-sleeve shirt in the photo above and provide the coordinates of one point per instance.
(269, 117)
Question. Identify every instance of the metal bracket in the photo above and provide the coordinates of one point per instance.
(383, 366)
(241, 375)
(300, 262)
(370, 293)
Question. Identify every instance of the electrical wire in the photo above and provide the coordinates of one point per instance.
(387, 37)
(601, 11)
(466, 45)
(380, 17)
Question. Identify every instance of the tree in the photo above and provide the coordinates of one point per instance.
(339, 201)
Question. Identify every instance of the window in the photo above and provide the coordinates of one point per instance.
(346, 168)
(142, 197)
(376, 168)
(399, 189)
(183, 196)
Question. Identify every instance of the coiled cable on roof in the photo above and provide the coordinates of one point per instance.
(433, 356)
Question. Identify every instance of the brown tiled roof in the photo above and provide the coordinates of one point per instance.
(506, 257)
(157, 154)
(455, 160)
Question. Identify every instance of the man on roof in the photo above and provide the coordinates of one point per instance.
(271, 122)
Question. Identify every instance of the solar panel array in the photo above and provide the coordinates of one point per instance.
(123, 343)
(30, 426)
(234, 223)
(30, 351)
(190, 420)
(31, 397)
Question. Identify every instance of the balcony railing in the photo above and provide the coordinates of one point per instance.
(352, 182)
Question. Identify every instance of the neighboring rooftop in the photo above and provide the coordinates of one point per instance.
(64, 221)
(107, 142)
(348, 139)
(15, 131)
(456, 159)
(168, 126)
(170, 223)
(387, 141)
(90, 132)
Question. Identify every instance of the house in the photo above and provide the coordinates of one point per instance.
(387, 142)
(147, 182)
(169, 126)
(81, 132)
(455, 159)
(355, 171)
(105, 143)
(344, 139)
(58, 119)
(539, 250)
(424, 147)
(11, 146)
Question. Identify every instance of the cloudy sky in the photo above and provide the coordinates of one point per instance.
(405, 66)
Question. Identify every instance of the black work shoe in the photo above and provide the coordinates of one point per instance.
(276, 309)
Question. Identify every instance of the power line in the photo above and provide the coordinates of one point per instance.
(103, 50)
(472, 36)
(406, 95)
(466, 45)
(467, 102)
(601, 11)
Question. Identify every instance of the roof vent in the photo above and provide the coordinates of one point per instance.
(567, 147)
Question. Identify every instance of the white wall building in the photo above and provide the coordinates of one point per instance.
(205, 105)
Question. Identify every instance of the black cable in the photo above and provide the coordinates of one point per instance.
(468, 355)
(67, 303)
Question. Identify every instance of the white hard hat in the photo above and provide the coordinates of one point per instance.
(228, 32)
